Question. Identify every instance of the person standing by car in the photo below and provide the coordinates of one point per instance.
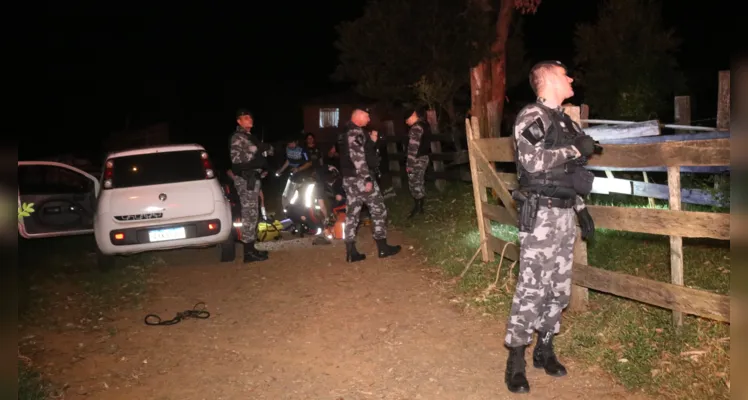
(249, 164)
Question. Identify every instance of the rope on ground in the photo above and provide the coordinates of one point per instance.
(464, 271)
(492, 286)
(200, 313)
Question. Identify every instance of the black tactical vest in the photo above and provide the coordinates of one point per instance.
(372, 154)
(558, 181)
(370, 151)
(346, 165)
(424, 148)
(254, 141)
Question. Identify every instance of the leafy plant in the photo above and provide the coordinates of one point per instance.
(25, 210)
(418, 51)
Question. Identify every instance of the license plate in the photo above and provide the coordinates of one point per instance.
(167, 234)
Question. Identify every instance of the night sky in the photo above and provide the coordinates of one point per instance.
(192, 66)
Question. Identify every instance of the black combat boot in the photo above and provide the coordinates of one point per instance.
(544, 357)
(352, 254)
(386, 250)
(514, 376)
(252, 254)
(417, 207)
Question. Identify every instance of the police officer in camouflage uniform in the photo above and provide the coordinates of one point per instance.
(551, 151)
(249, 164)
(419, 148)
(358, 166)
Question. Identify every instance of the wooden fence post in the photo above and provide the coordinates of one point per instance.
(493, 119)
(682, 117)
(579, 295)
(676, 242)
(584, 113)
(682, 110)
(723, 101)
(394, 163)
(436, 148)
(472, 131)
(723, 115)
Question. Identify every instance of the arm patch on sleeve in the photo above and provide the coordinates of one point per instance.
(527, 133)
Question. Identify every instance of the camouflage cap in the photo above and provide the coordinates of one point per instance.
(243, 111)
(363, 108)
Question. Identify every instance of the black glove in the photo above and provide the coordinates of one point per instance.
(586, 223)
(585, 145)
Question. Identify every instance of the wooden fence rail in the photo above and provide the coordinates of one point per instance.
(454, 164)
(484, 152)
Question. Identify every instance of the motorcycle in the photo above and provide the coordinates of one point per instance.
(300, 200)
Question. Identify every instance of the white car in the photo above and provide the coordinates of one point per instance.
(154, 198)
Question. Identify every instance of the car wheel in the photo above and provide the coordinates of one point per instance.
(228, 250)
(105, 262)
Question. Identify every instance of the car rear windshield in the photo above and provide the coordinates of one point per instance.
(157, 168)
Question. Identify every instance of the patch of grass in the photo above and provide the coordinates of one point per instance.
(64, 271)
(636, 343)
(639, 345)
(448, 234)
(31, 385)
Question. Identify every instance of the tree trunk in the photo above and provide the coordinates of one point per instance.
(488, 79)
(498, 62)
(480, 81)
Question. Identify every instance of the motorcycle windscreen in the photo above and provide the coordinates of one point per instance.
(288, 193)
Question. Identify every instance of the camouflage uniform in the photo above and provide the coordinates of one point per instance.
(551, 151)
(546, 253)
(419, 149)
(248, 163)
(357, 173)
(416, 165)
(355, 189)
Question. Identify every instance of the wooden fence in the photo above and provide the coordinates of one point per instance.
(453, 164)
(673, 155)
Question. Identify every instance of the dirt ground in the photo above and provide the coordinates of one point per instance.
(302, 325)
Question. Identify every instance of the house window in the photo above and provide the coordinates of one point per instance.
(328, 117)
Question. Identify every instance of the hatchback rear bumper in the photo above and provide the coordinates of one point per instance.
(113, 239)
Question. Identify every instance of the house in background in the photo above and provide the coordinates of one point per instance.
(325, 116)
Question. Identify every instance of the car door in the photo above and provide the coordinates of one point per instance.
(64, 199)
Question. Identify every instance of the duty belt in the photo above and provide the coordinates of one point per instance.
(552, 202)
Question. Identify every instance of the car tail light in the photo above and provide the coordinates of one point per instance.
(207, 166)
(108, 174)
